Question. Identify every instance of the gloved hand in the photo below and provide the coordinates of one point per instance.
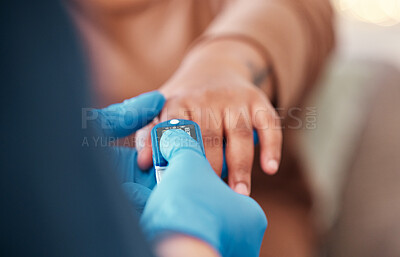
(120, 120)
(193, 200)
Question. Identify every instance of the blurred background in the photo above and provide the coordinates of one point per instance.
(354, 153)
(369, 29)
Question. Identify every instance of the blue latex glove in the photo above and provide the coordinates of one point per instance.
(193, 200)
(120, 120)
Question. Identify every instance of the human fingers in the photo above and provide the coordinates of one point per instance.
(210, 123)
(122, 119)
(239, 151)
(143, 137)
(268, 126)
(143, 146)
(211, 126)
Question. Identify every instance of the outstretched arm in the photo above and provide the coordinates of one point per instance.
(255, 55)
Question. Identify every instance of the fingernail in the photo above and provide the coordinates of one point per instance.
(241, 188)
(272, 165)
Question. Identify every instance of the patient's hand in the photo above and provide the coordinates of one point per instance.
(215, 87)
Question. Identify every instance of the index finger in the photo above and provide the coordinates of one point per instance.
(122, 119)
(174, 141)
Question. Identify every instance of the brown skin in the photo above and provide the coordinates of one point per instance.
(215, 87)
(110, 28)
(184, 246)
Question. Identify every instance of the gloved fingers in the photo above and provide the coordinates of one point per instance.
(122, 119)
(122, 160)
(175, 141)
(239, 150)
(137, 195)
(171, 110)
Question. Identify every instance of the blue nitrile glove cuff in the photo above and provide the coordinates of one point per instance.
(120, 120)
(193, 200)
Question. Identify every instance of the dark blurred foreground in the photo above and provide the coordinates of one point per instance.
(57, 198)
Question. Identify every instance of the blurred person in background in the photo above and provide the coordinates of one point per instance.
(224, 61)
(61, 197)
(235, 60)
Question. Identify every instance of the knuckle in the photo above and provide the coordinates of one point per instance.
(210, 132)
(243, 168)
(256, 94)
(211, 138)
(240, 166)
(243, 132)
(238, 121)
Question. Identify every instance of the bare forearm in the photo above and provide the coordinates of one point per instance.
(235, 54)
(297, 35)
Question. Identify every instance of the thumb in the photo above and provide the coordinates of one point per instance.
(122, 119)
(176, 141)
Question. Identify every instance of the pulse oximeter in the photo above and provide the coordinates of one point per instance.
(190, 127)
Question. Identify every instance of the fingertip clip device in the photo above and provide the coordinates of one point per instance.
(190, 127)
